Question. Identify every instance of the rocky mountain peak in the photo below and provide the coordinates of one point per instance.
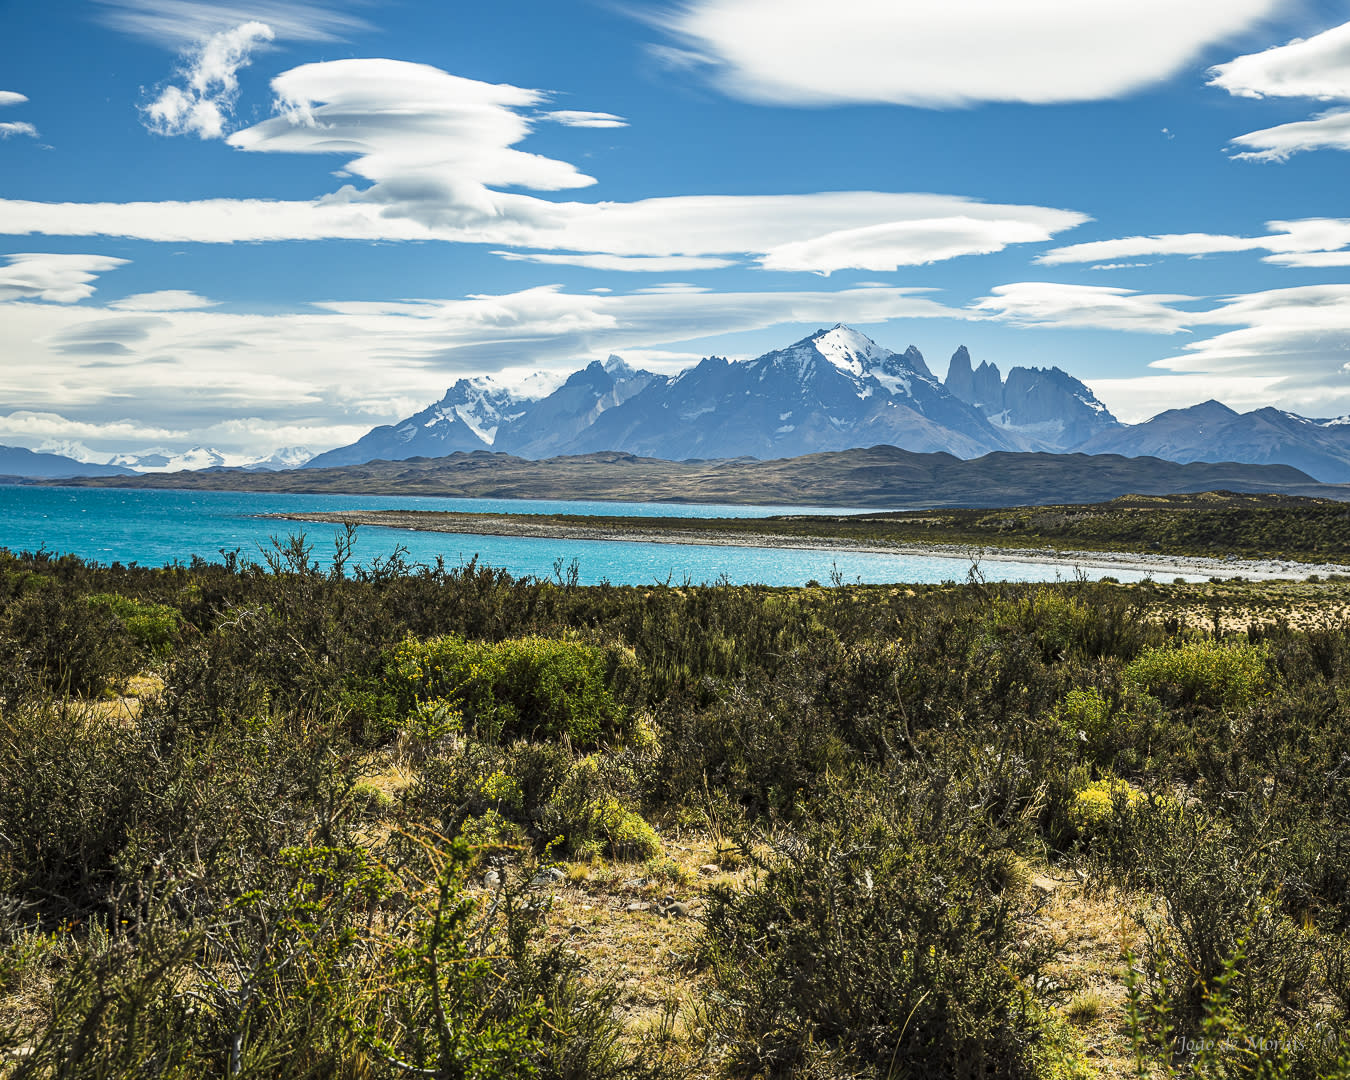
(914, 359)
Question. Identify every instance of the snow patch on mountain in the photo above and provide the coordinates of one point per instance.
(848, 349)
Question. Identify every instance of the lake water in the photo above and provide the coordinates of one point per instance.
(154, 528)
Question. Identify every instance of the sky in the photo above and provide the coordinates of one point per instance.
(253, 224)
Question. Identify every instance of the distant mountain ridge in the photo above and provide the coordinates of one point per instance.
(19, 462)
(1210, 431)
(883, 477)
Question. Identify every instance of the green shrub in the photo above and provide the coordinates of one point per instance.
(627, 834)
(51, 643)
(536, 687)
(1053, 619)
(153, 627)
(502, 791)
(877, 945)
(1085, 712)
(1206, 674)
(585, 814)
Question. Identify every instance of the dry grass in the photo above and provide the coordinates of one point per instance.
(1234, 605)
(636, 925)
(125, 706)
(1091, 931)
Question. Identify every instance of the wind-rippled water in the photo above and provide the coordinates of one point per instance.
(155, 528)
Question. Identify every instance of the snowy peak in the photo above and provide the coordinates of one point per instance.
(158, 460)
(848, 349)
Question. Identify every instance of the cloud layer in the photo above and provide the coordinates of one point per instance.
(1306, 242)
(1289, 347)
(1317, 68)
(179, 24)
(306, 377)
(60, 279)
(10, 128)
(948, 53)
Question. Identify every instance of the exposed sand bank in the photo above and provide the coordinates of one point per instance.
(1162, 566)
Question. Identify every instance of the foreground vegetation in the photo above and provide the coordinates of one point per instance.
(294, 820)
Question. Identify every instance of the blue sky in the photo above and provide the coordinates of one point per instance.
(249, 225)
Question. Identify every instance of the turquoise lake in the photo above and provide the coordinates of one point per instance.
(155, 528)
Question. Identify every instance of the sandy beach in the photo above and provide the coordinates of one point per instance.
(1162, 566)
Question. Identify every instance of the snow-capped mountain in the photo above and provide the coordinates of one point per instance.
(477, 414)
(467, 418)
(285, 457)
(1043, 408)
(159, 459)
(162, 460)
(831, 391)
(555, 421)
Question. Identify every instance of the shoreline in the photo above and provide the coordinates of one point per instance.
(519, 526)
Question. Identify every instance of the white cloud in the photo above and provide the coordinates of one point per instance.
(889, 246)
(1302, 242)
(1318, 67)
(25, 426)
(949, 53)
(438, 148)
(1286, 347)
(658, 264)
(432, 142)
(581, 119)
(211, 75)
(163, 300)
(1299, 338)
(1047, 303)
(9, 128)
(194, 371)
(1310, 260)
(11, 97)
(693, 225)
(1131, 246)
(668, 287)
(1328, 130)
(176, 24)
(1134, 400)
(60, 279)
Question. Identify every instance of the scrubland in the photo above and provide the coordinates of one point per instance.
(307, 819)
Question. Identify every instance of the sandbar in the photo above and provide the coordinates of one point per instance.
(521, 525)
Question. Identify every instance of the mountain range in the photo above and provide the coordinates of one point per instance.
(833, 390)
(880, 476)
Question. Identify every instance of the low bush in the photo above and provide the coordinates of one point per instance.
(528, 687)
(152, 627)
(1205, 674)
(878, 944)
